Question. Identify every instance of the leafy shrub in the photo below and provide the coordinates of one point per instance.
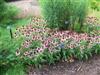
(17, 69)
(64, 14)
(7, 13)
(8, 48)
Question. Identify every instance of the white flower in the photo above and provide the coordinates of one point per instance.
(17, 53)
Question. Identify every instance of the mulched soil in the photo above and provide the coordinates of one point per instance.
(89, 67)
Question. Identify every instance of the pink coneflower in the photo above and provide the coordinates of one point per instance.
(82, 47)
(40, 50)
(37, 32)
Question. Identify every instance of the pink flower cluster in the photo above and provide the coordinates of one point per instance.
(54, 40)
(93, 21)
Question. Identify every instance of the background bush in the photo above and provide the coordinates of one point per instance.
(7, 13)
(64, 14)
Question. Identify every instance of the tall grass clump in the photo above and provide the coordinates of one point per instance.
(54, 12)
(79, 11)
(83, 11)
(64, 14)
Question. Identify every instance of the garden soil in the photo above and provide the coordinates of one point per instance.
(89, 67)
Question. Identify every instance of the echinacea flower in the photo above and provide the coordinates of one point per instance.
(65, 39)
(17, 53)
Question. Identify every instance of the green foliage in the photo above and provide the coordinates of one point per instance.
(18, 69)
(35, 44)
(7, 13)
(64, 54)
(9, 62)
(95, 5)
(64, 14)
(8, 47)
(3, 69)
(7, 51)
(82, 11)
(54, 12)
(77, 13)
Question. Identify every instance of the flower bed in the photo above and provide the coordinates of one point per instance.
(44, 45)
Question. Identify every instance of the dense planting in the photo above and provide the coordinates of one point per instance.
(39, 39)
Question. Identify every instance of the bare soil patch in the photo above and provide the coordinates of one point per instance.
(90, 67)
